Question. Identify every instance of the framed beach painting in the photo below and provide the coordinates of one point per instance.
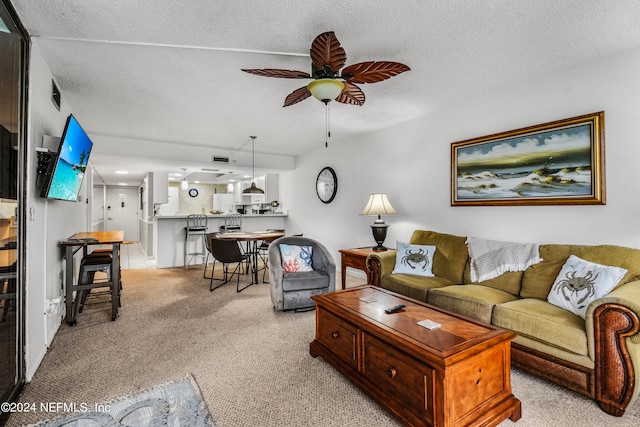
(557, 163)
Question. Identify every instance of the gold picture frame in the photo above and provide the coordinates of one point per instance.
(556, 163)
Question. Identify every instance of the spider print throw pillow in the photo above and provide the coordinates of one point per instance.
(414, 259)
(580, 282)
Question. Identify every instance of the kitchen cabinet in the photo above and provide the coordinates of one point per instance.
(224, 202)
(269, 184)
(160, 187)
(252, 199)
(271, 188)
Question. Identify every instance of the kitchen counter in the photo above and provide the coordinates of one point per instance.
(170, 233)
(221, 216)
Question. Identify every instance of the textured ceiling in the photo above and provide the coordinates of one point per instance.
(166, 73)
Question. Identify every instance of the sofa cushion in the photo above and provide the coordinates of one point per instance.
(538, 279)
(450, 256)
(580, 282)
(508, 282)
(543, 322)
(415, 287)
(304, 280)
(475, 301)
(414, 259)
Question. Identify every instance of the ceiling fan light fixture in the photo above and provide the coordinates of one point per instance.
(325, 90)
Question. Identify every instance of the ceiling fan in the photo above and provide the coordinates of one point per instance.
(330, 82)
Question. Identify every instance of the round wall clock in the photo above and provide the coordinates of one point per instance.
(193, 192)
(327, 185)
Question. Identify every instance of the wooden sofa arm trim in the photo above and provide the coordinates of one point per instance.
(614, 373)
(374, 267)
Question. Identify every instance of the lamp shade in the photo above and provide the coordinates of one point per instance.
(184, 185)
(378, 204)
(325, 89)
(253, 189)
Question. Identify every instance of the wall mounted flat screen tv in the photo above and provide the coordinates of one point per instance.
(70, 163)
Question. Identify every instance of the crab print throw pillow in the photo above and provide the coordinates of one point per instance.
(414, 259)
(580, 282)
(296, 258)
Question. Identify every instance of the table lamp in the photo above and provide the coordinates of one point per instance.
(378, 204)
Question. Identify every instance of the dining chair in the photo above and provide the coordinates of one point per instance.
(227, 252)
(263, 252)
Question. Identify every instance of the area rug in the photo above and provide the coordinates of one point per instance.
(178, 403)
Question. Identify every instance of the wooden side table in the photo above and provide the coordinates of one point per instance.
(355, 258)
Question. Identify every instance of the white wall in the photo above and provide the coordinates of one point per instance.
(411, 163)
(48, 221)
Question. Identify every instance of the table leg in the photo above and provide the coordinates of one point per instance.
(343, 272)
(68, 286)
(253, 256)
(115, 280)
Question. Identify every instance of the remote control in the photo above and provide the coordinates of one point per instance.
(394, 309)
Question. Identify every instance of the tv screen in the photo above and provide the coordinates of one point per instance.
(70, 163)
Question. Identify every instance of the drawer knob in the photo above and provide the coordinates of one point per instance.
(334, 335)
(392, 372)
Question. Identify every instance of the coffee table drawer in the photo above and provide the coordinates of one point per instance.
(338, 336)
(408, 380)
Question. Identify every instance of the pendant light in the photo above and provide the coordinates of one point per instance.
(253, 189)
(184, 185)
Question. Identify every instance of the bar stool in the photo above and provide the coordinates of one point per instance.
(89, 266)
(232, 222)
(8, 295)
(196, 226)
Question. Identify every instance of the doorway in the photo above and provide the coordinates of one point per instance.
(122, 211)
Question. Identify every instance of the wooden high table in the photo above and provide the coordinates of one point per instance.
(252, 238)
(82, 241)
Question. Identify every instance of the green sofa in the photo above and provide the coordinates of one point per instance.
(598, 357)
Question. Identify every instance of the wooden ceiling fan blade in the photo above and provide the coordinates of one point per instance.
(327, 52)
(373, 71)
(283, 74)
(297, 96)
(351, 94)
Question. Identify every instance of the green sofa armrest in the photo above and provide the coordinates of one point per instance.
(379, 264)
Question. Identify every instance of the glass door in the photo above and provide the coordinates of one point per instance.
(12, 49)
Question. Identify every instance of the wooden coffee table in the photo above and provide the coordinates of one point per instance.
(455, 375)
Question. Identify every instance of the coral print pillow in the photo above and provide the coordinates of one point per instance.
(580, 282)
(296, 258)
(414, 259)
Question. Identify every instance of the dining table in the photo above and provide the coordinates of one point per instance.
(251, 238)
(84, 240)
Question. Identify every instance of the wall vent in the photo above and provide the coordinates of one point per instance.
(220, 159)
(55, 95)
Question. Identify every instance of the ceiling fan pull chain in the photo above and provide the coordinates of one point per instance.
(327, 123)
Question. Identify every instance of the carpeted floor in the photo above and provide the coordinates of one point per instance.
(252, 363)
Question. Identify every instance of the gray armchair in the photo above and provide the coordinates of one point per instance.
(291, 291)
